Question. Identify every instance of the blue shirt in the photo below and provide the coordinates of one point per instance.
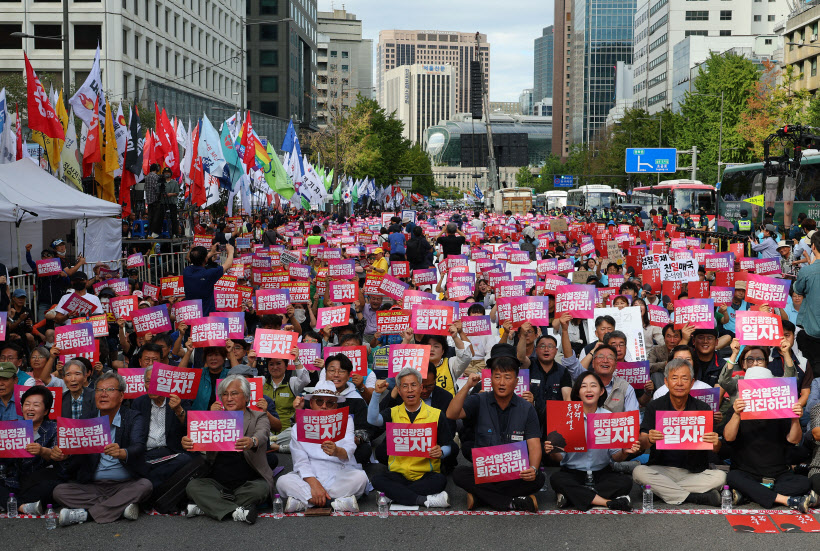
(199, 283)
(807, 284)
(731, 311)
(110, 468)
(590, 460)
(397, 242)
(9, 412)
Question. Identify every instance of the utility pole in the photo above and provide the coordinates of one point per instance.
(492, 169)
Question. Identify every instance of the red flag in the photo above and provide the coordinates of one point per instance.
(128, 179)
(41, 114)
(93, 151)
(147, 151)
(198, 196)
(249, 141)
(167, 141)
(19, 154)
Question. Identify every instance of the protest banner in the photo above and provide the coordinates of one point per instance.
(758, 328)
(577, 300)
(343, 291)
(187, 310)
(78, 305)
(499, 463)
(210, 331)
(721, 296)
(529, 309)
(565, 426)
(83, 436)
(333, 316)
(372, 284)
(227, 301)
(315, 427)
(791, 522)
(134, 382)
(409, 355)
(270, 343)
(683, 430)
(720, 262)
(215, 431)
(152, 320)
(630, 322)
(341, 269)
(308, 352)
(4, 318)
(698, 312)
(299, 291)
(411, 439)
(171, 286)
(236, 323)
(272, 301)
(427, 276)
(135, 260)
(150, 291)
(48, 267)
(683, 270)
(634, 373)
(124, 307)
(167, 380)
(393, 287)
(612, 430)
(14, 437)
(74, 339)
(392, 322)
(99, 324)
(698, 289)
(767, 266)
(400, 269)
(356, 354)
(118, 285)
(505, 289)
(412, 298)
(658, 315)
(710, 396)
(431, 320)
(762, 289)
(93, 356)
(476, 326)
(768, 398)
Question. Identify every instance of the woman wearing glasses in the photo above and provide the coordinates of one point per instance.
(752, 357)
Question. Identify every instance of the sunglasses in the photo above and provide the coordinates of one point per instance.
(321, 402)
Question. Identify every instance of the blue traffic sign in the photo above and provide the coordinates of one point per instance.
(563, 181)
(655, 160)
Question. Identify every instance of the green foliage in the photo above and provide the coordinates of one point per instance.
(445, 192)
(525, 177)
(416, 161)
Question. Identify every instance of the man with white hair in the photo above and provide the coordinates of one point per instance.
(326, 471)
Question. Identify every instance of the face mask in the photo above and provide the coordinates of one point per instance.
(300, 315)
(60, 253)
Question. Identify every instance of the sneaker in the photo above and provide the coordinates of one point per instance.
(712, 497)
(813, 500)
(193, 510)
(284, 448)
(524, 503)
(247, 515)
(561, 501)
(625, 467)
(72, 516)
(800, 503)
(440, 499)
(153, 236)
(294, 505)
(35, 508)
(621, 503)
(131, 512)
(347, 504)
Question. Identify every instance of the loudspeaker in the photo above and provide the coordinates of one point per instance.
(476, 87)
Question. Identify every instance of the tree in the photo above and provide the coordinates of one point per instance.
(416, 161)
(525, 177)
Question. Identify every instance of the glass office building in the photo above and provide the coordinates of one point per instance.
(542, 68)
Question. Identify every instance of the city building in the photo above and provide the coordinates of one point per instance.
(562, 39)
(506, 107)
(281, 59)
(661, 24)
(525, 101)
(623, 92)
(543, 108)
(420, 96)
(543, 64)
(802, 44)
(344, 64)
(397, 48)
(601, 37)
(465, 178)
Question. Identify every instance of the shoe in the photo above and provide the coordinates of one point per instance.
(153, 236)
(193, 510)
(294, 505)
(738, 498)
(440, 499)
(800, 503)
(247, 515)
(347, 504)
(524, 503)
(35, 508)
(561, 501)
(625, 467)
(712, 497)
(284, 448)
(813, 500)
(72, 516)
(621, 503)
(470, 502)
(131, 512)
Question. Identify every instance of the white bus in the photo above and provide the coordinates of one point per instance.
(594, 197)
(555, 199)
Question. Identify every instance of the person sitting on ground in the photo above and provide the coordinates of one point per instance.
(283, 386)
(326, 472)
(78, 401)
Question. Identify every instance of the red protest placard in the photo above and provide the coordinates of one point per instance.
(499, 463)
(333, 316)
(93, 356)
(14, 437)
(757, 524)
(171, 286)
(612, 430)
(152, 320)
(316, 427)
(476, 326)
(236, 323)
(83, 436)
(256, 384)
(415, 297)
(409, 355)
(299, 291)
(308, 353)
(227, 301)
(400, 269)
(762, 289)
(392, 322)
(372, 284)
(529, 309)
(134, 382)
(78, 305)
(698, 312)
(167, 380)
(344, 291)
(758, 328)
(768, 398)
(411, 439)
(56, 402)
(210, 331)
(658, 315)
(356, 354)
(431, 320)
(789, 522)
(341, 269)
(565, 426)
(150, 291)
(270, 343)
(683, 430)
(123, 307)
(74, 339)
(698, 289)
(48, 267)
(272, 301)
(393, 287)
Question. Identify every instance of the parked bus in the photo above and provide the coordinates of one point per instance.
(551, 200)
(680, 194)
(594, 197)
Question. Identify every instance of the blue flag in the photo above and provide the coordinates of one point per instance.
(291, 141)
(478, 194)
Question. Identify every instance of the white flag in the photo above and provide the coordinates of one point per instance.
(69, 157)
(188, 157)
(120, 135)
(8, 139)
(91, 90)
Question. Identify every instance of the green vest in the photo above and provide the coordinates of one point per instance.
(283, 398)
(744, 225)
(314, 239)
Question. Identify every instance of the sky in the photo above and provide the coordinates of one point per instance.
(510, 32)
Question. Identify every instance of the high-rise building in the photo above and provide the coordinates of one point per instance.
(345, 64)
(525, 101)
(420, 96)
(506, 107)
(601, 36)
(281, 59)
(661, 24)
(397, 48)
(543, 64)
(562, 38)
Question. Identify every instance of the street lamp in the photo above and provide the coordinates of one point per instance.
(245, 23)
(62, 38)
(720, 154)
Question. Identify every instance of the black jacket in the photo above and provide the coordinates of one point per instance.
(89, 404)
(174, 430)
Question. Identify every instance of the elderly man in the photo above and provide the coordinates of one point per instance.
(326, 471)
(79, 402)
(242, 479)
(412, 480)
(500, 417)
(109, 484)
(14, 354)
(8, 378)
(678, 476)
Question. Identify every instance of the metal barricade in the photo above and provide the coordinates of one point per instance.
(160, 265)
(27, 282)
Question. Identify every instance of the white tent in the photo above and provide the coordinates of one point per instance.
(31, 196)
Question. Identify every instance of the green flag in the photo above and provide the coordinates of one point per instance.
(276, 177)
(337, 193)
(355, 194)
(328, 179)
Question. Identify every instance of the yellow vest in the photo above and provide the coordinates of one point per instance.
(444, 378)
(413, 468)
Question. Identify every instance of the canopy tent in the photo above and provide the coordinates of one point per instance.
(31, 196)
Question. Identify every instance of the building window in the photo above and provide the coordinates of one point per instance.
(269, 58)
(345, 68)
(268, 7)
(124, 42)
(726, 33)
(757, 18)
(699, 15)
(269, 84)
(345, 55)
(771, 18)
(814, 67)
(269, 108)
(8, 42)
(725, 15)
(334, 53)
(695, 33)
(767, 41)
(268, 32)
(86, 37)
(47, 30)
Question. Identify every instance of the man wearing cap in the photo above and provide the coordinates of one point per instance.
(20, 319)
(787, 266)
(379, 265)
(766, 247)
(650, 296)
(687, 223)
(671, 221)
(727, 313)
(743, 226)
(323, 472)
(8, 378)
(79, 283)
(500, 417)
(707, 363)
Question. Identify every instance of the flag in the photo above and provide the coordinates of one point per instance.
(8, 141)
(182, 135)
(41, 115)
(19, 142)
(210, 148)
(167, 141)
(70, 157)
(120, 135)
(234, 167)
(110, 159)
(197, 188)
(134, 144)
(188, 158)
(291, 143)
(478, 194)
(276, 176)
(89, 93)
(53, 147)
(92, 152)
(247, 140)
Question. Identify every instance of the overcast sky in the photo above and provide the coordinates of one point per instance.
(511, 26)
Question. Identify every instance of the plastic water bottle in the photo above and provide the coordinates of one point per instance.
(51, 518)
(384, 506)
(11, 508)
(648, 498)
(546, 480)
(278, 507)
(590, 483)
(726, 500)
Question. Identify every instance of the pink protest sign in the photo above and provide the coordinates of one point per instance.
(762, 289)
(400, 269)
(721, 295)
(270, 343)
(529, 309)
(412, 298)
(504, 289)
(431, 320)
(152, 320)
(409, 355)
(4, 317)
(333, 316)
(78, 305)
(99, 324)
(393, 287)
(698, 312)
(612, 430)
(256, 384)
(236, 323)
(48, 267)
(210, 331)
(272, 301)
(299, 291)
(150, 291)
(308, 353)
(658, 315)
(392, 322)
(411, 439)
(118, 285)
(765, 266)
(758, 328)
(476, 326)
(710, 396)
(299, 271)
(356, 354)
(56, 402)
(124, 307)
(14, 437)
(227, 301)
(635, 373)
(74, 339)
(344, 291)
(768, 398)
(83, 436)
(425, 277)
(721, 262)
(134, 381)
(499, 463)
(683, 430)
(578, 300)
(565, 426)
(167, 380)
(522, 386)
(552, 282)
(316, 427)
(341, 269)
(459, 291)
(92, 356)
(135, 261)
(214, 431)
